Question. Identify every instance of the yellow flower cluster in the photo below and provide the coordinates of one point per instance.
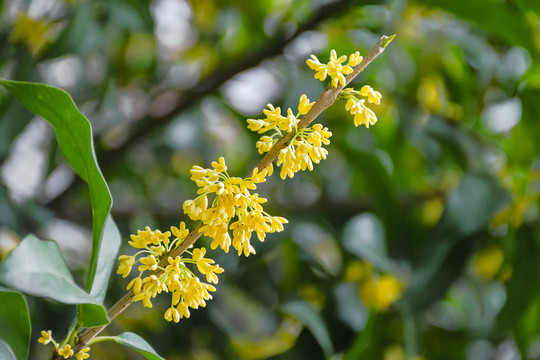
(35, 34)
(303, 150)
(378, 291)
(186, 288)
(395, 352)
(487, 262)
(524, 185)
(335, 68)
(65, 351)
(337, 71)
(233, 207)
(356, 106)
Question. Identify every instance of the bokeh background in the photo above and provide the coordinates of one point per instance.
(441, 193)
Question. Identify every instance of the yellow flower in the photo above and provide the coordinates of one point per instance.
(142, 239)
(304, 150)
(160, 238)
(46, 337)
(355, 59)
(487, 262)
(148, 263)
(136, 284)
(173, 266)
(362, 114)
(304, 106)
(172, 314)
(206, 266)
(66, 351)
(83, 354)
(220, 165)
(335, 68)
(380, 293)
(35, 34)
(126, 262)
(372, 95)
(321, 70)
(195, 208)
(181, 233)
(394, 352)
(145, 296)
(183, 310)
(358, 271)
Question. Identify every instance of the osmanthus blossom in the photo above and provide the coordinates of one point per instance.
(66, 351)
(228, 207)
(334, 68)
(186, 288)
(234, 208)
(306, 146)
(231, 211)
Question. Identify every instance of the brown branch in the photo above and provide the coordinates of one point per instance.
(326, 99)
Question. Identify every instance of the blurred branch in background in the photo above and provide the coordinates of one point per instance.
(168, 104)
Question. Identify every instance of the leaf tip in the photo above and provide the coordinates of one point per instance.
(387, 40)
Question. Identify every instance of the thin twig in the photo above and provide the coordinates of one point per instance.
(325, 100)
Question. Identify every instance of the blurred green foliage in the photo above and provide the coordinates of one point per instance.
(450, 169)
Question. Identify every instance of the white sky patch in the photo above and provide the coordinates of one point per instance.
(503, 116)
(24, 168)
(173, 28)
(251, 90)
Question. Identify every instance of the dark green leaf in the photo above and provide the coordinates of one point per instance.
(494, 14)
(91, 315)
(303, 312)
(74, 136)
(471, 205)
(522, 289)
(364, 236)
(362, 339)
(136, 342)
(372, 170)
(82, 35)
(15, 326)
(468, 211)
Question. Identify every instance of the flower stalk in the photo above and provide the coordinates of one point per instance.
(325, 100)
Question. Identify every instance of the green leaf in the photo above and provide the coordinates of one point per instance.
(82, 35)
(469, 209)
(371, 169)
(522, 288)
(471, 205)
(494, 14)
(303, 312)
(37, 268)
(387, 40)
(364, 236)
(91, 315)
(134, 341)
(110, 243)
(362, 339)
(74, 135)
(15, 329)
